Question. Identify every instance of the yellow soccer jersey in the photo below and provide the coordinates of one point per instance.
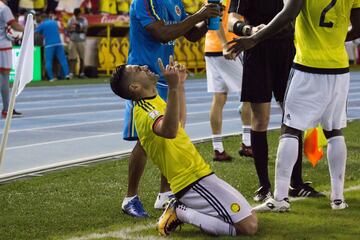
(320, 33)
(177, 159)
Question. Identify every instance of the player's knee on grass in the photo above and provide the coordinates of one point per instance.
(333, 133)
(247, 226)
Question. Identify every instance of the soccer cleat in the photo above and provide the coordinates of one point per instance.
(163, 200)
(221, 157)
(246, 151)
(15, 114)
(305, 190)
(69, 76)
(338, 204)
(135, 208)
(271, 205)
(168, 221)
(82, 75)
(262, 194)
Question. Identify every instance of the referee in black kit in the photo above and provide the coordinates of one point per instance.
(266, 72)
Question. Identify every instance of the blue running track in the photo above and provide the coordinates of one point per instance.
(70, 125)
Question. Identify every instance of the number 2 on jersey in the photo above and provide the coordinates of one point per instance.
(323, 13)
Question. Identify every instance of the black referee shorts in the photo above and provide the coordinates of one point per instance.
(266, 70)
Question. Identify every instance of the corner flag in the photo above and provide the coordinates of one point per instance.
(314, 141)
(23, 75)
(25, 67)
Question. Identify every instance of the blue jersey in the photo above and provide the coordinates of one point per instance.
(144, 49)
(50, 30)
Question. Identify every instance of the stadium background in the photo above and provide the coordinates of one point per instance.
(107, 40)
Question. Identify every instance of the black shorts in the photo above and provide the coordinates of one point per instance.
(266, 70)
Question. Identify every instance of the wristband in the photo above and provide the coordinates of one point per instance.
(238, 28)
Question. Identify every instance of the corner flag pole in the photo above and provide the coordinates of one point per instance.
(23, 75)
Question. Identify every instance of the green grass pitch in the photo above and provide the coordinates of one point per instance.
(77, 203)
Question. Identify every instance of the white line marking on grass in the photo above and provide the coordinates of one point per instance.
(121, 234)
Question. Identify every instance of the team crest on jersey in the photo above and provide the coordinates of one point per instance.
(154, 114)
(235, 207)
(178, 10)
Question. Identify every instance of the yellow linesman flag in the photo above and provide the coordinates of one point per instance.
(313, 144)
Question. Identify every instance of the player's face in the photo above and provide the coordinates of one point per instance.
(142, 74)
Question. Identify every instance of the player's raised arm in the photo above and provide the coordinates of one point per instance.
(182, 77)
(167, 127)
(354, 33)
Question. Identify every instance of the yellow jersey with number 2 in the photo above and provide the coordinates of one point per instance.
(177, 159)
(320, 33)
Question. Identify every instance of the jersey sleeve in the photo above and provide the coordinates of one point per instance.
(356, 4)
(8, 16)
(147, 11)
(150, 114)
(234, 6)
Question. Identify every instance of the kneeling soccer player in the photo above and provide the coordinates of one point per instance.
(202, 199)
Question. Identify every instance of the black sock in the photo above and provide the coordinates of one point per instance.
(260, 151)
(296, 177)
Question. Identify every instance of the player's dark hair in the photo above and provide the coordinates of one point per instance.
(119, 83)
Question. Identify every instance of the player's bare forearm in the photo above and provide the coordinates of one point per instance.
(170, 123)
(287, 15)
(197, 32)
(168, 32)
(182, 108)
(168, 126)
(354, 33)
(165, 33)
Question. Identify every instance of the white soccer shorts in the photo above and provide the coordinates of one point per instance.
(223, 75)
(5, 59)
(215, 197)
(316, 98)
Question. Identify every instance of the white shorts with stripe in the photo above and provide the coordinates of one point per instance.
(5, 59)
(215, 197)
(316, 98)
(223, 75)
